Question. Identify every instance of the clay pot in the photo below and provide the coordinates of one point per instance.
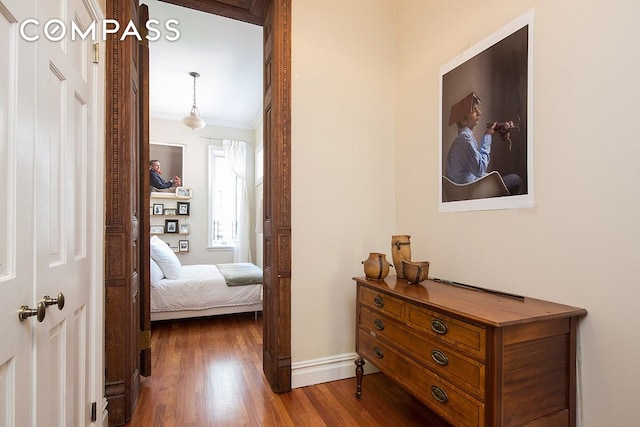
(400, 251)
(416, 271)
(376, 267)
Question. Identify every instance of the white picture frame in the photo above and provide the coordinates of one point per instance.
(505, 91)
(156, 229)
(183, 192)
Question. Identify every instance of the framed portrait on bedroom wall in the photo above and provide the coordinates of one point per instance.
(486, 139)
(183, 208)
(183, 246)
(170, 225)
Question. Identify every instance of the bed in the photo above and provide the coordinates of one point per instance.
(183, 291)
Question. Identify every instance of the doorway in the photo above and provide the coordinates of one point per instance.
(122, 173)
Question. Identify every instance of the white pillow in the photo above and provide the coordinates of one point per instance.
(166, 258)
(156, 273)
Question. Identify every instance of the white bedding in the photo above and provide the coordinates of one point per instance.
(201, 287)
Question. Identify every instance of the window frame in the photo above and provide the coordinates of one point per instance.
(216, 151)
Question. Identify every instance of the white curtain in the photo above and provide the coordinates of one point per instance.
(235, 153)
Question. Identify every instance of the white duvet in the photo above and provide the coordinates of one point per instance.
(201, 287)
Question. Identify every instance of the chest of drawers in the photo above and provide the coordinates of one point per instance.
(475, 358)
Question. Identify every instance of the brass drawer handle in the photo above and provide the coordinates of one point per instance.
(379, 324)
(438, 326)
(439, 394)
(379, 302)
(439, 357)
(378, 352)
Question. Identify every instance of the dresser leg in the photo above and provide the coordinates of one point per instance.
(359, 371)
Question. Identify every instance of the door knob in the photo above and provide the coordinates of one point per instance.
(47, 300)
(25, 312)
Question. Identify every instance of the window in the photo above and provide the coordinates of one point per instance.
(223, 201)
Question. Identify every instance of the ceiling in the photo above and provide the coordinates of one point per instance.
(227, 54)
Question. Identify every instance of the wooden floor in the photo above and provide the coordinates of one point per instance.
(208, 372)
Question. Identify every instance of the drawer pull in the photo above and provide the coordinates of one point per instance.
(438, 326)
(378, 352)
(379, 324)
(439, 394)
(439, 357)
(379, 302)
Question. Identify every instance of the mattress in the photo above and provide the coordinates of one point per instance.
(201, 287)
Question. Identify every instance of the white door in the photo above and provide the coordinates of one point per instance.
(17, 62)
(51, 133)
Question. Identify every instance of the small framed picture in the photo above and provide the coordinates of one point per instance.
(183, 192)
(157, 229)
(170, 225)
(183, 246)
(183, 208)
(158, 208)
(184, 228)
(169, 211)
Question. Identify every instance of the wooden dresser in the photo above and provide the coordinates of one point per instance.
(475, 358)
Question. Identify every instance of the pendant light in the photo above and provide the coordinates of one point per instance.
(193, 120)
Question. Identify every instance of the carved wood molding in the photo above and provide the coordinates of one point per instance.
(251, 11)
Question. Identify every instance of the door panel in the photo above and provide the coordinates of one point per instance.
(48, 117)
(64, 224)
(277, 196)
(16, 212)
(124, 279)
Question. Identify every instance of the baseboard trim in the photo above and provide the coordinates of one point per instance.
(326, 369)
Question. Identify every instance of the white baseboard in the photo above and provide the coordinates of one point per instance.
(332, 368)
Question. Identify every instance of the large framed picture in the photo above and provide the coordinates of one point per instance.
(170, 225)
(183, 208)
(486, 124)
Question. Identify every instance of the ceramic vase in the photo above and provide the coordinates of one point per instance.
(376, 267)
(400, 251)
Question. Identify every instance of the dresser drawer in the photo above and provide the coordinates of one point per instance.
(462, 335)
(444, 360)
(455, 406)
(382, 302)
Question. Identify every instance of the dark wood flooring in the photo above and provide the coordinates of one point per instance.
(208, 372)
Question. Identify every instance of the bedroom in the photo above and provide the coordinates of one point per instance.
(228, 95)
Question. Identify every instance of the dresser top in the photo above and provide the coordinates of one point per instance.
(485, 307)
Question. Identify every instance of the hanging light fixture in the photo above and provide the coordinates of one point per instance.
(193, 120)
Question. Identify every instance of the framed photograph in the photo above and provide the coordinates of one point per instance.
(170, 211)
(486, 122)
(170, 225)
(157, 229)
(183, 208)
(183, 246)
(158, 208)
(183, 192)
(184, 228)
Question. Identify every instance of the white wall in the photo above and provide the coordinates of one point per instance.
(363, 116)
(195, 176)
(343, 122)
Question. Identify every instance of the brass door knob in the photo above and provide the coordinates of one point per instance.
(25, 312)
(51, 301)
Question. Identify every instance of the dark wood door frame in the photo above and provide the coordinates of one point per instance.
(123, 158)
